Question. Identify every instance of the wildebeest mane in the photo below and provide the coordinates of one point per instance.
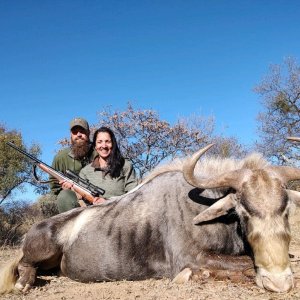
(211, 165)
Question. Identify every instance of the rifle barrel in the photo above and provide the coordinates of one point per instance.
(26, 154)
(46, 168)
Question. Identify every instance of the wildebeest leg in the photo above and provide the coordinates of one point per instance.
(28, 266)
(40, 250)
(235, 268)
(216, 266)
(27, 274)
(225, 262)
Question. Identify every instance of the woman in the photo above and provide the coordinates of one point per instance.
(109, 170)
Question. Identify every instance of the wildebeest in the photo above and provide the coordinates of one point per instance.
(170, 226)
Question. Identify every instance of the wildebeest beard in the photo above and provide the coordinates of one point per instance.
(80, 149)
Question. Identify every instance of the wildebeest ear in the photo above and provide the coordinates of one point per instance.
(220, 208)
(294, 196)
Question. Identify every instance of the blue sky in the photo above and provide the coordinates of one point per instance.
(62, 59)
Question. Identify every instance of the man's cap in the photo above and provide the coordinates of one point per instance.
(80, 122)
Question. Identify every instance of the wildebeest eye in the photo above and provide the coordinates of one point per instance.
(283, 205)
(248, 208)
(242, 212)
(286, 215)
(245, 218)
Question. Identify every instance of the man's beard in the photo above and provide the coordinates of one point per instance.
(80, 148)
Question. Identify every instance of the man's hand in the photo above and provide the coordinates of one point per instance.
(65, 185)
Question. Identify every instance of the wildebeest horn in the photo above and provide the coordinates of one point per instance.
(218, 209)
(293, 138)
(294, 196)
(287, 173)
(230, 179)
(189, 165)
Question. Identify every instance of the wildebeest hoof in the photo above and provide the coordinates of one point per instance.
(294, 257)
(184, 276)
(21, 288)
(205, 274)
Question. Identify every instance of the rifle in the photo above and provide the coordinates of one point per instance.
(83, 187)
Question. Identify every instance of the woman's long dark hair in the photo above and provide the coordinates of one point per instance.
(115, 160)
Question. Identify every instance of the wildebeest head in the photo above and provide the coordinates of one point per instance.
(262, 203)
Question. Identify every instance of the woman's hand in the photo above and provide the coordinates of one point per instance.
(98, 200)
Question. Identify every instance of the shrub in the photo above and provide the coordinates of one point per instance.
(15, 220)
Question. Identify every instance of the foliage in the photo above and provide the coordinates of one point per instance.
(15, 169)
(227, 147)
(16, 217)
(280, 93)
(147, 140)
(47, 205)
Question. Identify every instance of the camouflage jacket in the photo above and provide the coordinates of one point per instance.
(64, 160)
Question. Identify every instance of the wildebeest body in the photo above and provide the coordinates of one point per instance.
(145, 234)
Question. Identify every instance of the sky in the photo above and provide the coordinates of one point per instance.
(71, 58)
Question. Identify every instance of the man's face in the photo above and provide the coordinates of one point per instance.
(79, 135)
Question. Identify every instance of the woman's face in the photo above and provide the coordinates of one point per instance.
(103, 144)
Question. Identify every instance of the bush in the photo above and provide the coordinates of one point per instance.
(47, 205)
(15, 220)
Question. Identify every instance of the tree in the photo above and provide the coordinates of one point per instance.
(280, 93)
(16, 218)
(15, 169)
(147, 140)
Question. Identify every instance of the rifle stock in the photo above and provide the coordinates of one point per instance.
(84, 188)
(83, 192)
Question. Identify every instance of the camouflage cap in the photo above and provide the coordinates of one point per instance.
(80, 122)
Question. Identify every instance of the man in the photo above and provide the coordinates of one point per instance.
(74, 159)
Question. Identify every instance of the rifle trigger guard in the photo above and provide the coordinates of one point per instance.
(36, 177)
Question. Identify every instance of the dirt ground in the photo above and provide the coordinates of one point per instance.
(61, 288)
